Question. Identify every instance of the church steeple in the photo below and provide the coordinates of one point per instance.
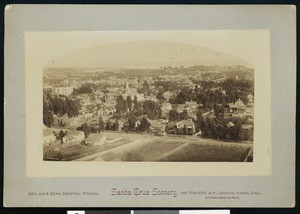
(126, 88)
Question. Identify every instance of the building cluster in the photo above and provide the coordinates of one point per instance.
(101, 103)
(64, 88)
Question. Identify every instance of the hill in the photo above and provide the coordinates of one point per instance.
(145, 55)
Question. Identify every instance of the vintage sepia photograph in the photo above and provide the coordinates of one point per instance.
(146, 101)
(149, 106)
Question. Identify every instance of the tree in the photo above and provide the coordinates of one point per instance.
(121, 105)
(185, 130)
(129, 102)
(173, 115)
(48, 119)
(135, 102)
(86, 129)
(160, 96)
(47, 115)
(145, 125)
(131, 122)
(86, 88)
(199, 123)
(61, 106)
(152, 109)
(183, 115)
(219, 111)
(197, 89)
(146, 88)
(117, 125)
(101, 124)
(184, 95)
(109, 125)
(61, 135)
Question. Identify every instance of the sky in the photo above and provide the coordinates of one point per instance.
(248, 45)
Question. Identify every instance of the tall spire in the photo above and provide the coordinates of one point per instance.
(126, 89)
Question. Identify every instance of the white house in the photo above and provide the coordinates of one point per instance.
(76, 135)
(250, 98)
(239, 102)
(186, 123)
(65, 88)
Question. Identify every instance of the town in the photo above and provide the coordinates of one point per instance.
(163, 114)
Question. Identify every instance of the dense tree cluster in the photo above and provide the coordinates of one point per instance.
(121, 105)
(210, 94)
(145, 89)
(126, 106)
(144, 125)
(152, 109)
(86, 88)
(59, 106)
(87, 129)
(101, 124)
(164, 86)
(47, 115)
(218, 128)
(175, 116)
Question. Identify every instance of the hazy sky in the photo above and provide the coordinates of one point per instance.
(248, 45)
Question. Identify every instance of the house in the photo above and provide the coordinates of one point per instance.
(151, 97)
(230, 124)
(110, 102)
(167, 95)
(64, 88)
(93, 121)
(240, 102)
(223, 93)
(239, 107)
(114, 124)
(186, 124)
(193, 106)
(55, 120)
(248, 130)
(68, 139)
(157, 128)
(87, 115)
(179, 107)
(109, 110)
(171, 127)
(237, 114)
(96, 139)
(137, 124)
(250, 98)
(48, 136)
(166, 107)
(189, 109)
(231, 107)
(77, 135)
(72, 122)
(247, 127)
(192, 115)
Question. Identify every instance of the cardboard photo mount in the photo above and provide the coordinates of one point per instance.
(37, 33)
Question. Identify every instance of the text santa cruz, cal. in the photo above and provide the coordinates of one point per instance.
(141, 192)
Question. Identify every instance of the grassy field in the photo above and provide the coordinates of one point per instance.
(76, 150)
(150, 151)
(209, 153)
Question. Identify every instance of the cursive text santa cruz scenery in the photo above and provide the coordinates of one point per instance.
(143, 192)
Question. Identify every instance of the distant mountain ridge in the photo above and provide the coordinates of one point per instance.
(144, 55)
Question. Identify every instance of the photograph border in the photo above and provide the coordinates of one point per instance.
(261, 165)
